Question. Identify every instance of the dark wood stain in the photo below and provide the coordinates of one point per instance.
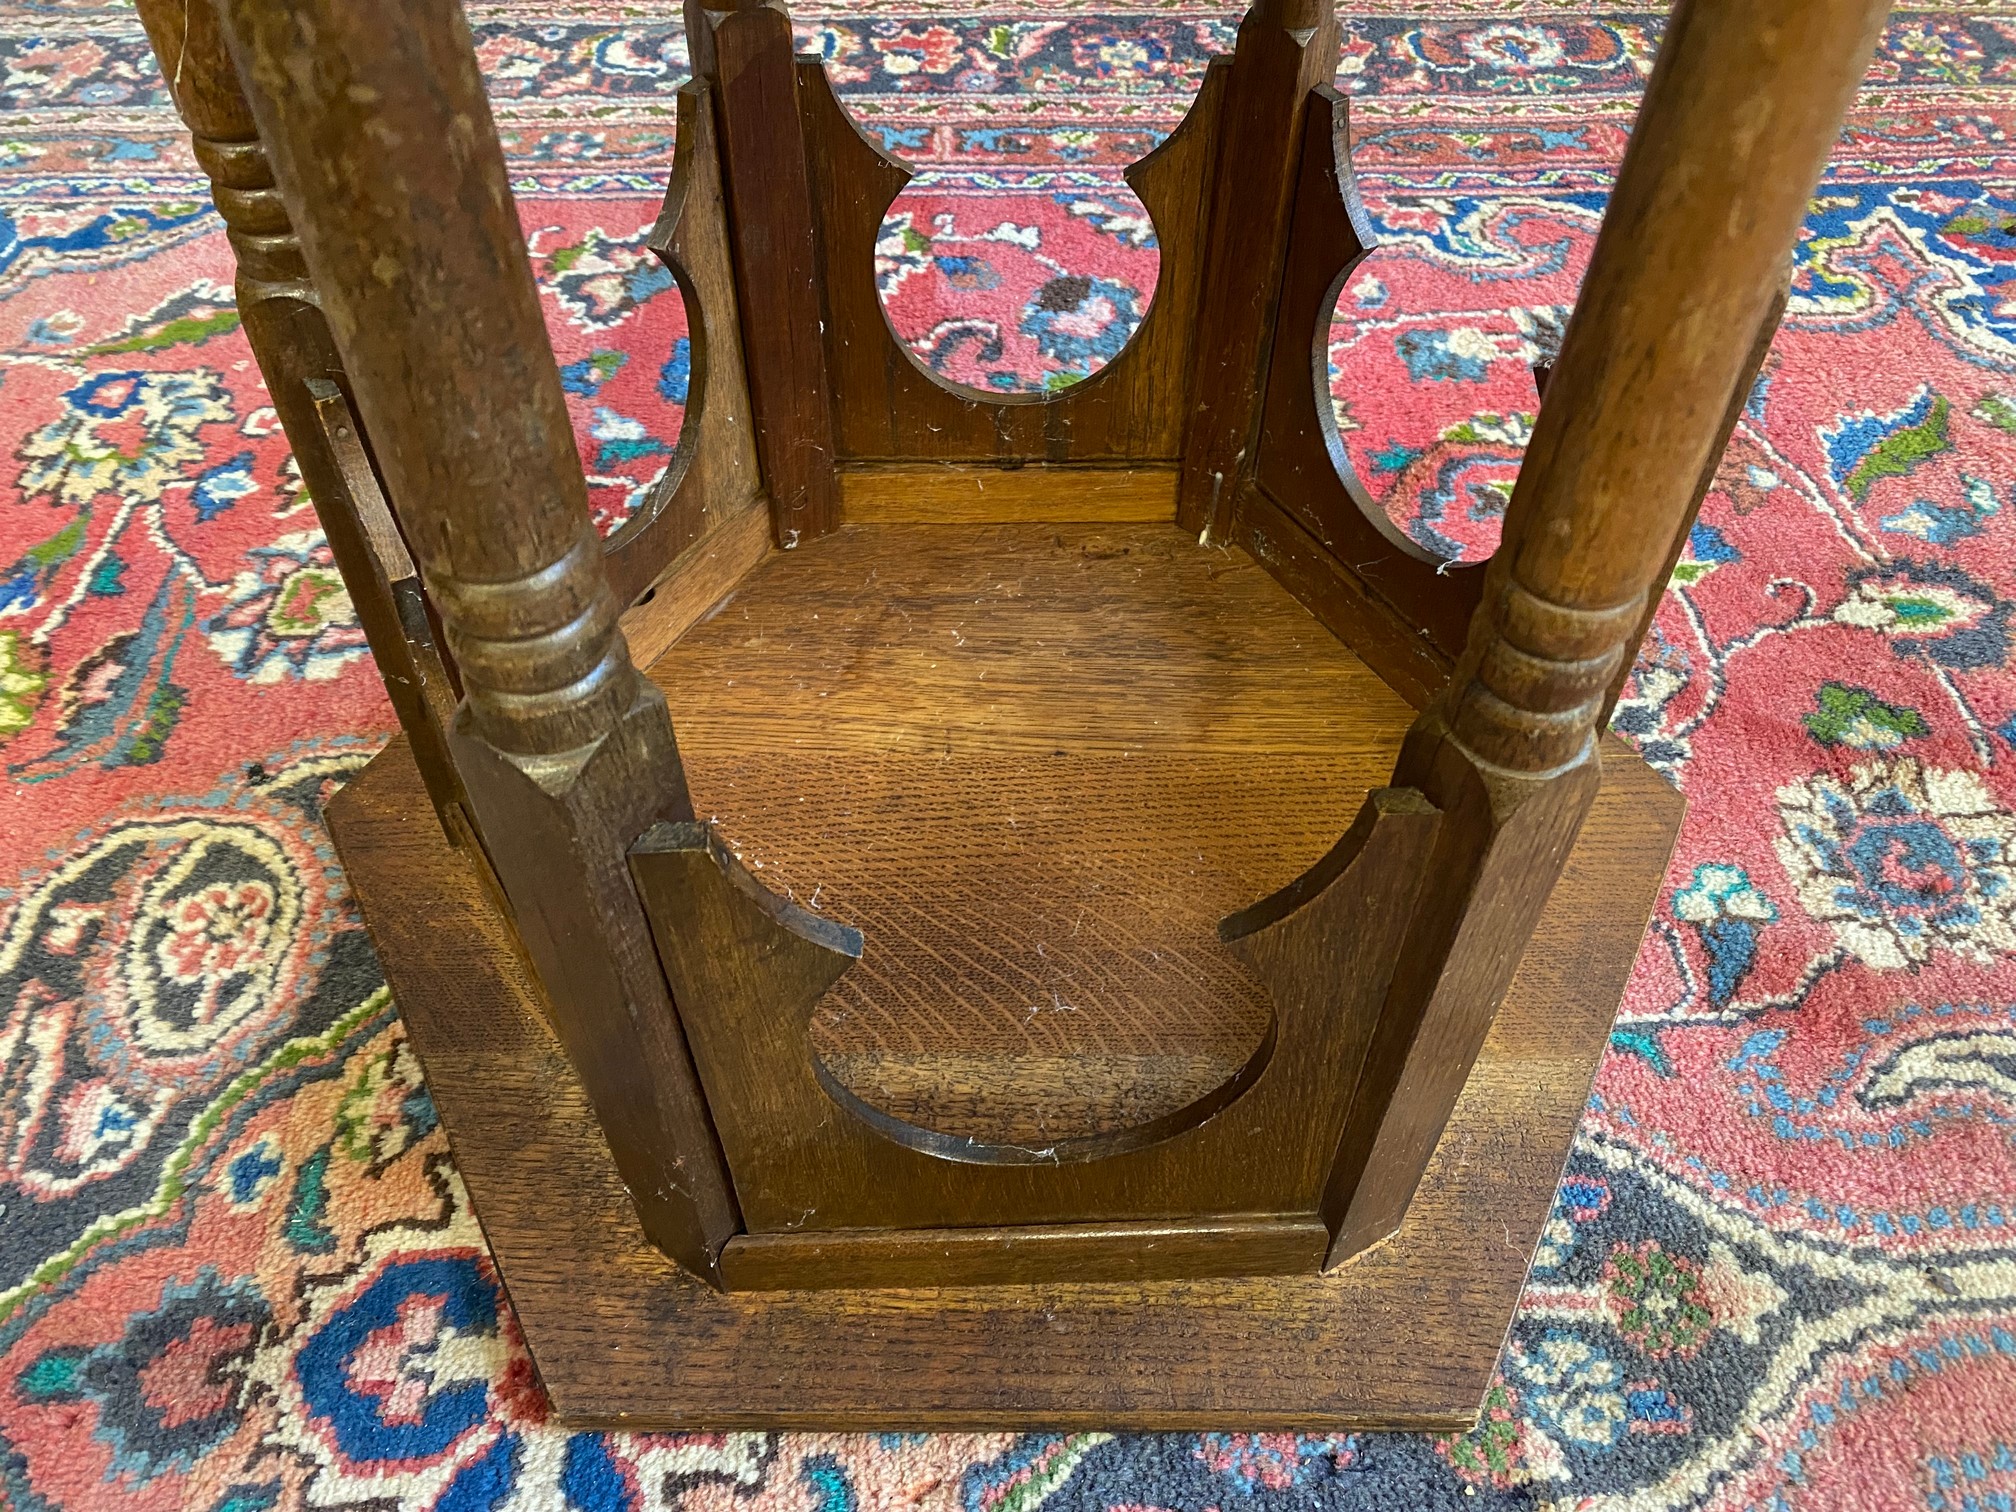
(714, 475)
(889, 407)
(1149, 1101)
(743, 48)
(1404, 1336)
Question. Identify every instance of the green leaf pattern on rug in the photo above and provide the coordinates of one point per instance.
(1998, 410)
(22, 681)
(1845, 715)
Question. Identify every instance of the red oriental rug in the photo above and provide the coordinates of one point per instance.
(237, 1270)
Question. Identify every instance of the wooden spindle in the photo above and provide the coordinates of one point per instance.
(282, 317)
(1739, 396)
(386, 156)
(403, 208)
(1739, 114)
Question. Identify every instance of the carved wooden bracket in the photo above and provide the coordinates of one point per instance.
(810, 1159)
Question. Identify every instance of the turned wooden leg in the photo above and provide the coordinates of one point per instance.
(1739, 115)
(1739, 395)
(383, 146)
(1683, 292)
(282, 316)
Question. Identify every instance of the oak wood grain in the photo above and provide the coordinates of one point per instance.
(282, 317)
(1004, 753)
(1404, 1336)
(909, 1258)
(1403, 654)
(1285, 49)
(1300, 464)
(968, 494)
(700, 577)
(1738, 118)
(743, 48)
(1033, 760)
(386, 158)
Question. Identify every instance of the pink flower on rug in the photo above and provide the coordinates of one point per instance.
(217, 932)
(934, 50)
(404, 1364)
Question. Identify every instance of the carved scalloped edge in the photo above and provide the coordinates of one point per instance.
(691, 238)
(1344, 183)
(1301, 455)
(877, 175)
(966, 1150)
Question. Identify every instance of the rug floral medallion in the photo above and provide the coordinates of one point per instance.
(237, 1268)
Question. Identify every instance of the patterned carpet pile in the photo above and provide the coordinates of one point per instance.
(237, 1269)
